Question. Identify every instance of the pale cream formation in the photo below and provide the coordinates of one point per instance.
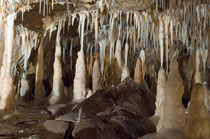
(57, 94)
(160, 97)
(96, 76)
(6, 80)
(79, 89)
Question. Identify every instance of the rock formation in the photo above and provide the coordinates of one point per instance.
(138, 71)
(96, 76)
(160, 97)
(198, 125)
(174, 111)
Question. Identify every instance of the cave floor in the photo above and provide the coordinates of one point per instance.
(25, 122)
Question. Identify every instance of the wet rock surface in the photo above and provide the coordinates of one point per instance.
(116, 112)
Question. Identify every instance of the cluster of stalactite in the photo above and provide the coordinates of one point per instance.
(127, 42)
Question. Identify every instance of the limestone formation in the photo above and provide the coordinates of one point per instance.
(143, 60)
(125, 73)
(196, 78)
(58, 88)
(138, 71)
(96, 76)
(174, 111)
(79, 89)
(160, 97)
(24, 90)
(39, 74)
(198, 125)
(6, 79)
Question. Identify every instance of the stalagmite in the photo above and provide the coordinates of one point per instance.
(24, 90)
(198, 125)
(144, 66)
(160, 96)
(196, 77)
(204, 55)
(138, 71)
(118, 54)
(58, 87)
(79, 91)
(174, 112)
(39, 73)
(6, 80)
(207, 96)
(118, 63)
(125, 73)
(125, 70)
(96, 76)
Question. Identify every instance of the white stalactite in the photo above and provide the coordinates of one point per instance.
(102, 45)
(161, 40)
(79, 90)
(126, 54)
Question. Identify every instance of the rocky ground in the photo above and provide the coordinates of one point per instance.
(123, 112)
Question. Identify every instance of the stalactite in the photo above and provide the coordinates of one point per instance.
(57, 90)
(161, 40)
(174, 112)
(198, 121)
(52, 4)
(40, 6)
(102, 45)
(96, 76)
(79, 91)
(44, 4)
(96, 27)
(166, 41)
(39, 73)
(6, 82)
(82, 24)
